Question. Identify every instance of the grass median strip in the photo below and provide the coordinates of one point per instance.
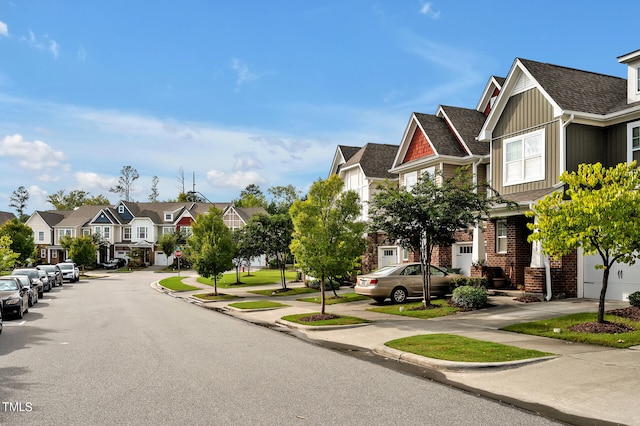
(261, 304)
(558, 328)
(307, 319)
(332, 300)
(260, 277)
(176, 284)
(452, 347)
(441, 308)
(212, 297)
(289, 292)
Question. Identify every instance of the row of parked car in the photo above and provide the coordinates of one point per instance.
(24, 286)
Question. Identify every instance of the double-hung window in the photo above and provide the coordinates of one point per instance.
(501, 236)
(142, 232)
(524, 158)
(633, 138)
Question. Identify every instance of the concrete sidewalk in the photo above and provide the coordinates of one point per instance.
(582, 384)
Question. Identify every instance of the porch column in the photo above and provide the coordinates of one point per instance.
(479, 253)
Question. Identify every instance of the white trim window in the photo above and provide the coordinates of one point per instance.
(410, 179)
(40, 235)
(120, 209)
(141, 232)
(633, 141)
(167, 230)
(524, 158)
(126, 233)
(501, 236)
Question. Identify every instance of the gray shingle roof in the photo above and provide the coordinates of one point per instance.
(6, 217)
(577, 90)
(440, 135)
(468, 123)
(375, 160)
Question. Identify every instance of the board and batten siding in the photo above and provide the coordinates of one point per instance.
(524, 113)
(590, 145)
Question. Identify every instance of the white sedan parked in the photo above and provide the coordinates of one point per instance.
(70, 271)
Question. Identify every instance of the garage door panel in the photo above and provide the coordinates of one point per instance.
(623, 279)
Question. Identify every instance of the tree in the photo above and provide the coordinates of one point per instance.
(153, 197)
(327, 238)
(428, 215)
(210, 247)
(128, 175)
(251, 196)
(76, 198)
(246, 249)
(83, 251)
(167, 244)
(282, 198)
(271, 235)
(598, 211)
(18, 201)
(8, 257)
(22, 242)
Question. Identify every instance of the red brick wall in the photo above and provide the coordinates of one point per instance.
(518, 255)
(419, 147)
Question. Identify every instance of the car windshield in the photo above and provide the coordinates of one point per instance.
(66, 265)
(47, 268)
(7, 285)
(29, 272)
(385, 270)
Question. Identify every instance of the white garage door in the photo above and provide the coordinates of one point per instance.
(462, 257)
(387, 256)
(623, 279)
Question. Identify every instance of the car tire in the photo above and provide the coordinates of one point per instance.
(30, 302)
(379, 299)
(41, 294)
(20, 313)
(399, 295)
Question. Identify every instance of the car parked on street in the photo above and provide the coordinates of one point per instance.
(44, 277)
(15, 298)
(115, 263)
(27, 282)
(54, 272)
(398, 282)
(35, 276)
(70, 271)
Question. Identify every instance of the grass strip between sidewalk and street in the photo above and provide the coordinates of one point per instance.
(176, 284)
(452, 347)
(338, 320)
(289, 292)
(210, 297)
(545, 328)
(259, 277)
(260, 304)
(332, 300)
(441, 309)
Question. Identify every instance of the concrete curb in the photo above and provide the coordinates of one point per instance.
(318, 327)
(440, 364)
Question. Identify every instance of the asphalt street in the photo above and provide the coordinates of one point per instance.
(115, 351)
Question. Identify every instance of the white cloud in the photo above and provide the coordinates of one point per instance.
(4, 30)
(89, 181)
(236, 180)
(427, 9)
(243, 72)
(54, 48)
(35, 155)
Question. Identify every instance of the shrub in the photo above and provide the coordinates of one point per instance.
(328, 285)
(479, 282)
(634, 298)
(469, 297)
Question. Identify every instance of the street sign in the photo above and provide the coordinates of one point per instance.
(178, 253)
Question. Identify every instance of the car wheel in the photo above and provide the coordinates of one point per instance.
(21, 313)
(379, 299)
(41, 294)
(399, 295)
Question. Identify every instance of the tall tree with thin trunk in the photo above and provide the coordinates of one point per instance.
(153, 196)
(128, 175)
(327, 238)
(18, 201)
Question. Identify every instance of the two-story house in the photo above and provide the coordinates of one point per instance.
(547, 119)
(363, 170)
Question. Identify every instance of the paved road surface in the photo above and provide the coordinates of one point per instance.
(115, 351)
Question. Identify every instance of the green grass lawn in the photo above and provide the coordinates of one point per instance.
(289, 292)
(408, 309)
(545, 328)
(261, 277)
(462, 349)
(341, 320)
(260, 304)
(212, 297)
(176, 284)
(332, 300)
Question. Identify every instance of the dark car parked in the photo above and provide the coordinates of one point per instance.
(15, 298)
(34, 274)
(27, 282)
(115, 263)
(53, 271)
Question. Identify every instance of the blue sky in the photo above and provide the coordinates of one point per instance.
(256, 91)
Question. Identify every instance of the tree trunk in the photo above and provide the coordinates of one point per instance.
(215, 285)
(603, 293)
(283, 276)
(322, 299)
(426, 277)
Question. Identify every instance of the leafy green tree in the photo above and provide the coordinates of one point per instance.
(83, 251)
(247, 248)
(327, 238)
(76, 198)
(22, 242)
(271, 235)
(428, 215)
(598, 211)
(251, 196)
(210, 247)
(282, 198)
(18, 201)
(128, 175)
(167, 244)
(8, 257)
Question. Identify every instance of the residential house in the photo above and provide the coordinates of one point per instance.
(6, 217)
(42, 223)
(548, 119)
(363, 170)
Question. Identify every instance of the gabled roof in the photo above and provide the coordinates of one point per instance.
(342, 155)
(6, 217)
(53, 217)
(439, 135)
(467, 124)
(375, 160)
(245, 213)
(79, 217)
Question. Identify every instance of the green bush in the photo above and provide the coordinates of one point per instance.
(328, 285)
(479, 282)
(634, 298)
(469, 297)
